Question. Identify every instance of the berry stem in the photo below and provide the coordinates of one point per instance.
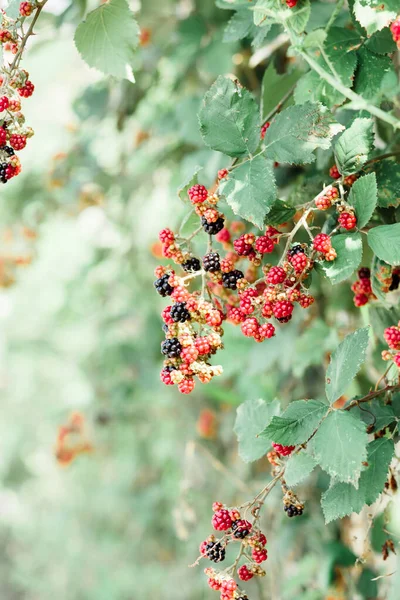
(374, 394)
(27, 35)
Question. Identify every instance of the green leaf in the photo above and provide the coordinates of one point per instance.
(250, 418)
(377, 413)
(363, 197)
(388, 180)
(381, 278)
(348, 248)
(339, 446)
(188, 183)
(239, 26)
(374, 15)
(229, 119)
(385, 242)
(343, 498)
(314, 341)
(381, 42)
(353, 146)
(275, 87)
(296, 18)
(297, 423)
(280, 213)
(297, 131)
(298, 467)
(340, 500)
(345, 363)
(250, 190)
(107, 38)
(371, 72)
(372, 480)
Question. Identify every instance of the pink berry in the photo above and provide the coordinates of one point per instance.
(221, 520)
(197, 194)
(392, 337)
(276, 275)
(264, 244)
(283, 450)
(347, 220)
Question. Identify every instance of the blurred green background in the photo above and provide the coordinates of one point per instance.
(80, 331)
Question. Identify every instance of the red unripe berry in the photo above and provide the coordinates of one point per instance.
(322, 243)
(166, 236)
(222, 173)
(267, 330)
(396, 360)
(18, 142)
(189, 354)
(214, 584)
(235, 315)
(197, 194)
(395, 29)
(165, 377)
(334, 172)
(25, 9)
(217, 506)
(350, 179)
(291, 3)
(223, 236)
(250, 327)
(299, 262)
(259, 555)
(202, 345)
(360, 300)
(268, 309)
(264, 244)
(392, 337)
(221, 520)
(276, 275)
(27, 90)
(186, 386)
(5, 35)
(264, 129)
(4, 103)
(244, 574)
(3, 136)
(347, 220)
(272, 233)
(260, 538)
(242, 245)
(283, 450)
(305, 300)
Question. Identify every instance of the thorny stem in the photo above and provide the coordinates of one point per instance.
(27, 35)
(372, 395)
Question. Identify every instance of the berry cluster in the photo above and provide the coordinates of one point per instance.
(330, 197)
(392, 337)
(395, 29)
(291, 504)
(14, 85)
(362, 288)
(241, 287)
(235, 530)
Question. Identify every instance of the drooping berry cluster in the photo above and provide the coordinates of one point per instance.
(362, 288)
(14, 85)
(236, 530)
(240, 287)
(330, 197)
(291, 504)
(395, 29)
(392, 337)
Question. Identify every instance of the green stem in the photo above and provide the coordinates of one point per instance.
(334, 14)
(359, 101)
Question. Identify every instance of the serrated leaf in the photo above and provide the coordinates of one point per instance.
(353, 146)
(343, 498)
(345, 363)
(340, 500)
(250, 190)
(188, 183)
(280, 213)
(371, 71)
(385, 242)
(374, 15)
(348, 248)
(381, 42)
(297, 423)
(250, 418)
(388, 180)
(229, 119)
(239, 26)
(297, 131)
(372, 480)
(381, 278)
(298, 467)
(339, 446)
(363, 197)
(275, 87)
(107, 38)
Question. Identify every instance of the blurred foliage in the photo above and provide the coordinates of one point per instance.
(80, 331)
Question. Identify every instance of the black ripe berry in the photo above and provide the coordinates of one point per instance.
(229, 280)
(212, 228)
(211, 262)
(3, 167)
(296, 249)
(162, 286)
(179, 312)
(8, 150)
(293, 511)
(241, 529)
(191, 265)
(215, 552)
(171, 348)
(284, 319)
